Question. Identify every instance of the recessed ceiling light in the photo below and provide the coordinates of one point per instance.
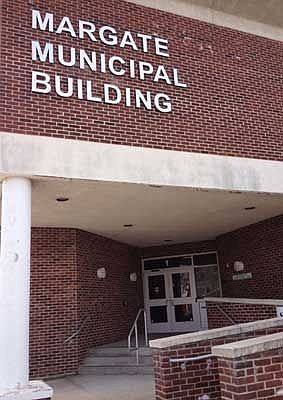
(128, 225)
(168, 240)
(62, 199)
(250, 208)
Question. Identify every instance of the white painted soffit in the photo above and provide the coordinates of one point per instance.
(212, 16)
(39, 156)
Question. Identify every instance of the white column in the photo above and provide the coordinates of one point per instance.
(15, 282)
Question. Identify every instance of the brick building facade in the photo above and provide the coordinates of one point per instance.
(141, 167)
(233, 92)
(68, 259)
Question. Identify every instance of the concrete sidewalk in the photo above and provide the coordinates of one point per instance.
(105, 387)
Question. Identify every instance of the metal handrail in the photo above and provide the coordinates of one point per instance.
(226, 315)
(70, 338)
(184, 361)
(135, 328)
(188, 359)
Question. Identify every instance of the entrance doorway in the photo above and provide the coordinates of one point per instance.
(171, 305)
(172, 286)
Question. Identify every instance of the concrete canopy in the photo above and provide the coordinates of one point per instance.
(259, 17)
(164, 194)
(265, 11)
(156, 213)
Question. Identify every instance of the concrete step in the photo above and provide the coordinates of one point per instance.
(119, 351)
(101, 361)
(114, 360)
(117, 370)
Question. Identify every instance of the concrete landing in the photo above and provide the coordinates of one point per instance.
(114, 360)
(105, 387)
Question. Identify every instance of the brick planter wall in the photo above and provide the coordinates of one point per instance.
(199, 377)
(239, 312)
(256, 376)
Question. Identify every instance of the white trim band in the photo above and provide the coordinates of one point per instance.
(38, 156)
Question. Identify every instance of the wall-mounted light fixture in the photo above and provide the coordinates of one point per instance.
(101, 273)
(133, 277)
(238, 266)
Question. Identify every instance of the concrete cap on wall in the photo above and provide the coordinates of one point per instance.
(195, 337)
(249, 346)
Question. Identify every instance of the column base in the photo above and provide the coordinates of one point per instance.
(35, 390)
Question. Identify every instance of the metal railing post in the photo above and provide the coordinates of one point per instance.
(137, 343)
(70, 338)
(226, 315)
(135, 328)
(145, 328)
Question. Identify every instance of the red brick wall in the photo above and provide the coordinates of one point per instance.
(232, 105)
(53, 315)
(111, 303)
(260, 248)
(240, 313)
(199, 377)
(257, 376)
(65, 288)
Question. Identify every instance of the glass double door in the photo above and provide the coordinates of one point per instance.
(170, 300)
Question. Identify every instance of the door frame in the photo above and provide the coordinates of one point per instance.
(187, 325)
(201, 305)
(170, 301)
(162, 327)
